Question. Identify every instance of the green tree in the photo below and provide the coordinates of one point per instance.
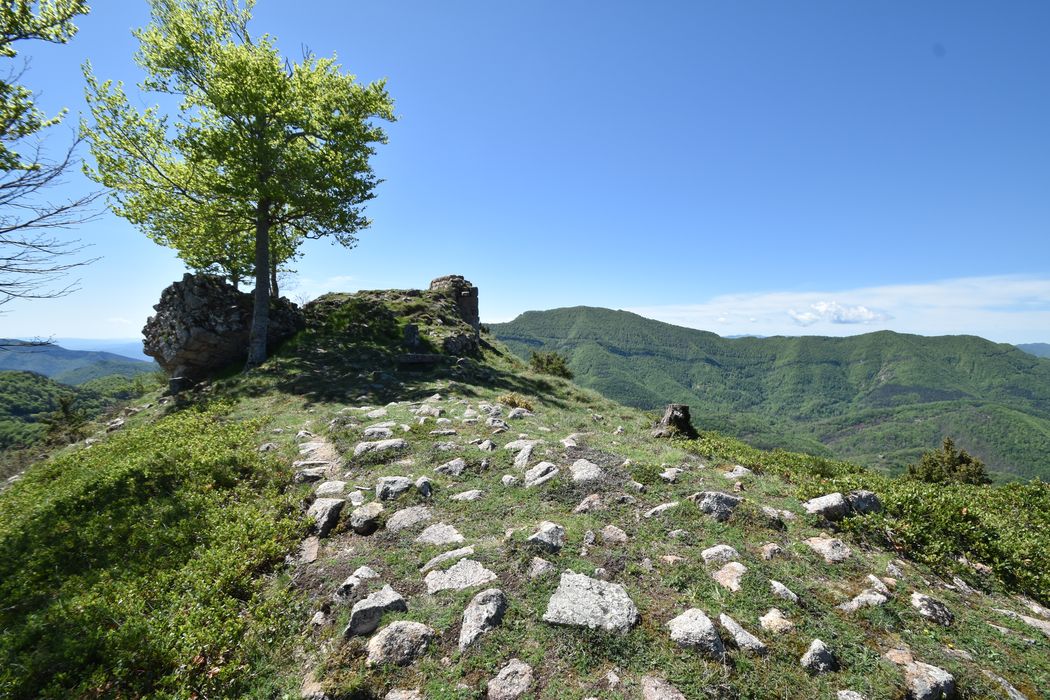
(949, 465)
(31, 259)
(262, 154)
(550, 362)
(66, 424)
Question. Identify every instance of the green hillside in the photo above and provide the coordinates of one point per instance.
(73, 367)
(879, 398)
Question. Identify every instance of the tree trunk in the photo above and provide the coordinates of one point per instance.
(261, 310)
(274, 291)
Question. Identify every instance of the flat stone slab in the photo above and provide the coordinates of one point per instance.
(393, 445)
(833, 550)
(513, 680)
(440, 534)
(472, 495)
(408, 518)
(744, 640)
(582, 601)
(447, 557)
(729, 575)
(466, 573)
(454, 467)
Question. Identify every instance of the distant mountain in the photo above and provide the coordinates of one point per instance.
(72, 367)
(1037, 349)
(880, 399)
(128, 347)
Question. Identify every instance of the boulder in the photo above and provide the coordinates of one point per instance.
(202, 325)
(540, 474)
(744, 640)
(863, 502)
(407, 518)
(399, 643)
(719, 554)
(775, 622)
(440, 534)
(452, 468)
(927, 682)
(365, 615)
(365, 519)
(932, 609)
(513, 680)
(833, 550)
(582, 601)
(830, 507)
(654, 688)
(818, 658)
(483, 613)
(694, 630)
(585, 472)
(675, 422)
(325, 512)
(388, 487)
(716, 504)
(550, 536)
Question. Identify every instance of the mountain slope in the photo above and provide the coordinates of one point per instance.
(1037, 349)
(324, 525)
(880, 398)
(68, 366)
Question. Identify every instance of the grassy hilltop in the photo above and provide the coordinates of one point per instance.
(880, 399)
(178, 557)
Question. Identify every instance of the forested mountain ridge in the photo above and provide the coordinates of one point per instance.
(1037, 349)
(72, 367)
(879, 398)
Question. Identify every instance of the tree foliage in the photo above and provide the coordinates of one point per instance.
(550, 362)
(949, 465)
(31, 258)
(262, 153)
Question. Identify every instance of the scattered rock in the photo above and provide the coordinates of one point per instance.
(550, 536)
(330, 488)
(670, 475)
(591, 502)
(738, 472)
(447, 557)
(452, 468)
(308, 549)
(744, 640)
(719, 554)
(932, 609)
(472, 495)
(926, 682)
(863, 502)
(388, 487)
(309, 475)
(781, 591)
(819, 659)
(487, 446)
(378, 433)
(365, 519)
(403, 694)
(774, 621)
(509, 480)
(694, 630)
(1009, 691)
(866, 599)
(365, 615)
(540, 474)
(830, 507)
(407, 518)
(586, 602)
(717, 504)
(833, 550)
(349, 587)
(440, 534)
(613, 535)
(540, 567)
(662, 508)
(394, 445)
(585, 472)
(654, 688)
(399, 643)
(849, 695)
(771, 550)
(424, 487)
(483, 613)
(729, 575)
(325, 512)
(466, 573)
(513, 680)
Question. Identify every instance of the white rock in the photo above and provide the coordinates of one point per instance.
(540, 567)
(719, 554)
(550, 536)
(654, 688)
(613, 535)
(781, 591)
(472, 495)
(407, 518)
(774, 621)
(540, 474)
(447, 557)
(729, 575)
(818, 658)
(582, 601)
(440, 534)
(832, 506)
(662, 508)
(833, 550)
(452, 468)
(466, 573)
(325, 512)
(483, 613)
(514, 680)
(393, 445)
(744, 640)
(585, 472)
(330, 488)
(694, 630)
(365, 615)
(399, 643)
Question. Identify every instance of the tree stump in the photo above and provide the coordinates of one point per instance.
(675, 423)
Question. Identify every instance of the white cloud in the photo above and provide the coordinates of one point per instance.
(1006, 308)
(835, 312)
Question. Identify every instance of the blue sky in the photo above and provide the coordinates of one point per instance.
(769, 168)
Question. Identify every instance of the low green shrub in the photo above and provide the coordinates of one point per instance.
(550, 362)
(134, 568)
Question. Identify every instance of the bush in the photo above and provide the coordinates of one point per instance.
(550, 362)
(948, 465)
(513, 400)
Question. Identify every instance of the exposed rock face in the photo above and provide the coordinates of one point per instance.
(675, 423)
(202, 325)
(465, 295)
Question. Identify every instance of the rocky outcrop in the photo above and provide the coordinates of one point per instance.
(675, 423)
(202, 326)
(465, 297)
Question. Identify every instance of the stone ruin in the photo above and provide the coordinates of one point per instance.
(465, 296)
(202, 325)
